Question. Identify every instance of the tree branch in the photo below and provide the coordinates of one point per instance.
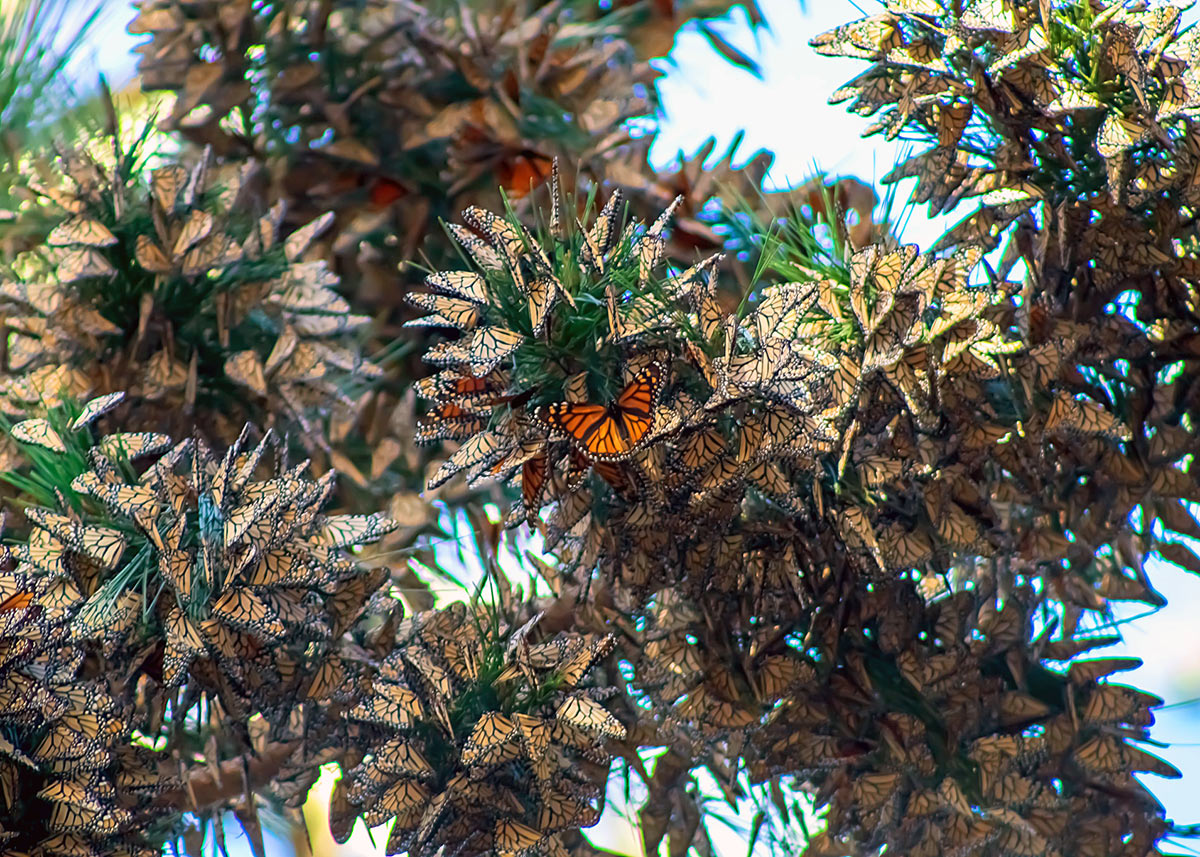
(201, 791)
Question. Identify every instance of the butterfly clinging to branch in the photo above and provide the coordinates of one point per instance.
(609, 432)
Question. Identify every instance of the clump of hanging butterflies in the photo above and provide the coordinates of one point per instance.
(1032, 769)
(585, 376)
(479, 737)
(63, 730)
(578, 361)
(174, 291)
(227, 556)
(208, 580)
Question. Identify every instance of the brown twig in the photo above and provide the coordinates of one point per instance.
(202, 791)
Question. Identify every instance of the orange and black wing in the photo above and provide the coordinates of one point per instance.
(533, 480)
(634, 408)
(591, 427)
(641, 395)
(614, 432)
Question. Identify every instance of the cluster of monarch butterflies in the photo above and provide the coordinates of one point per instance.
(927, 60)
(409, 151)
(223, 564)
(881, 379)
(262, 573)
(771, 402)
(224, 320)
(1121, 236)
(479, 738)
(63, 733)
(1052, 764)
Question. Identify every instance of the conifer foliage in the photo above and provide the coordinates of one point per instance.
(838, 524)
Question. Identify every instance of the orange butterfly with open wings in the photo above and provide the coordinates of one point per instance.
(609, 432)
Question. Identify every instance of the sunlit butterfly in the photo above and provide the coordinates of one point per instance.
(614, 431)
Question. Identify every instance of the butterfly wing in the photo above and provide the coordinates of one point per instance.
(578, 420)
(634, 408)
(609, 433)
(641, 395)
(533, 480)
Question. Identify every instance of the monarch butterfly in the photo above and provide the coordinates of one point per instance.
(533, 481)
(491, 730)
(699, 449)
(514, 839)
(96, 408)
(401, 797)
(447, 312)
(98, 620)
(484, 448)
(479, 250)
(464, 285)
(535, 735)
(542, 293)
(136, 502)
(184, 644)
(574, 670)
(74, 817)
(399, 756)
(244, 610)
(436, 677)
(616, 475)
(603, 234)
(391, 705)
(635, 317)
(775, 676)
(133, 444)
(340, 531)
(64, 742)
(103, 545)
(650, 246)
(196, 228)
(1074, 417)
(175, 565)
(299, 241)
(584, 713)
(59, 595)
(246, 368)
(510, 239)
(38, 432)
(486, 348)
(165, 183)
(712, 711)
(346, 603)
(754, 369)
(895, 332)
(150, 256)
(957, 527)
(450, 421)
(560, 812)
(871, 791)
(551, 653)
(904, 549)
(434, 811)
(462, 387)
(82, 264)
(613, 432)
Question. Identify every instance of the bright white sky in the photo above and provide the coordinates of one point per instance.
(786, 112)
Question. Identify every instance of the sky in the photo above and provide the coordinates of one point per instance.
(786, 112)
